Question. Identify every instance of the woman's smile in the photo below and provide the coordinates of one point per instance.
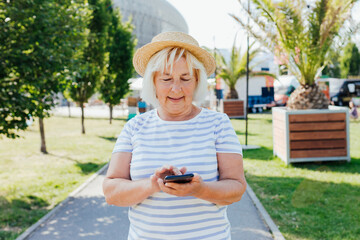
(176, 99)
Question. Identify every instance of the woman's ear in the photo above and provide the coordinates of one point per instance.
(196, 73)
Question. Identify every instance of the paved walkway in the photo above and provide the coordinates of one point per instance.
(91, 112)
(86, 215)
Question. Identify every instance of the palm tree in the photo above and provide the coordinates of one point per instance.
(231, 71)
(304, 34)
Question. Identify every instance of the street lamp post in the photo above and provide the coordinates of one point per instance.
(247, 83)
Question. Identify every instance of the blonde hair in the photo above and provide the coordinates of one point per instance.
(165, 59)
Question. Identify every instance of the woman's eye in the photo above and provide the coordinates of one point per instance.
(186, 79)
(166, 79)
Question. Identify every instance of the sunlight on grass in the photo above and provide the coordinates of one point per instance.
(306, 200)
(32, 183)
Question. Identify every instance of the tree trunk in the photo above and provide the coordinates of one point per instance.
(82, 118)
(42, 135)
(308, 97)
(68, 104)
(111, 113)
(232, 94)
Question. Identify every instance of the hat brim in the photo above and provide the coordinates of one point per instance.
(143, 55)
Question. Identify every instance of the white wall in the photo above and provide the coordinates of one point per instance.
(255, 85)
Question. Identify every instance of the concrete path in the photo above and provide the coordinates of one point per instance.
(91, 112)
(86, 215)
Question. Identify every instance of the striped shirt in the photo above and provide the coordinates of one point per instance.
(193, 143)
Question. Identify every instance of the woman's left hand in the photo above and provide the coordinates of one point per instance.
(183, 189)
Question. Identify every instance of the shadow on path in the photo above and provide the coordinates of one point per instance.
(88, 216)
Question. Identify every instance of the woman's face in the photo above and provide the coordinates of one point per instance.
(175, 91)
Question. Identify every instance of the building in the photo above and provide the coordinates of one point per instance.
(151, 17)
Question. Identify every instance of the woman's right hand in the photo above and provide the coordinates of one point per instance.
(162, 172)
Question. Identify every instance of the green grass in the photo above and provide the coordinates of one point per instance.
(32, 183)
(306, 200)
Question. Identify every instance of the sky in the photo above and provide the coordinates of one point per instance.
(210, 24)
(209, 21)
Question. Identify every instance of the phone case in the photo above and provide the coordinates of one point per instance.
(179, 178)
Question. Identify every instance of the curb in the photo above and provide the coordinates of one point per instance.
(71, 196)
(264, 215)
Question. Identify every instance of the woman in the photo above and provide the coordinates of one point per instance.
(176, 138)
(353, 110)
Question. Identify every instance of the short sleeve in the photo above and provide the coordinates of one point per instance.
(226, 139)
(123, 142)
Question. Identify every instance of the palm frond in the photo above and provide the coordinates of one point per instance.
(262, 73)
(232, 70)
(303, 33)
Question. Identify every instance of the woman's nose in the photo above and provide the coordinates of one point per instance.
(176, 87)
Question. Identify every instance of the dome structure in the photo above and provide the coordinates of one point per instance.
(151, 17)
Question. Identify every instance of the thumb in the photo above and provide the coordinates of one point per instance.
(196, 177)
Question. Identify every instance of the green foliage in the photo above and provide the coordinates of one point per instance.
(332, 69)
(90, 60)
(120, 47)
(287, 192)
(38, 40)
(307, 201)
(33, 183)
(304, 33)
(15, 107)
(350, 61)
(231, 71)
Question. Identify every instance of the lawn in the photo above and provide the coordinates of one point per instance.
(32, 183)
(306, 201)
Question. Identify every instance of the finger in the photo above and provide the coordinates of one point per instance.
(175, 186)
(167, 168)
(176, 171)
(158, 171)
(163, 187)
(183, 170)
(170, 185)
(178, 189)
(162, 169)
(160, 181)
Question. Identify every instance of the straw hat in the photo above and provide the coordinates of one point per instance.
(172, 39)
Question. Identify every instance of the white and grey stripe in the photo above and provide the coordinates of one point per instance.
(193, 144)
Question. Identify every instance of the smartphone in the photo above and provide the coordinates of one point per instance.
(179, 178)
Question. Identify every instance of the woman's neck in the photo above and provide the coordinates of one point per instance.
(183, 116)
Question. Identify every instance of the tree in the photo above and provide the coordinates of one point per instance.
(231, 71)
(90, 61)
(332, 69)
(41, 38)
(350, 61)
(16, 106)
(120, 45)
(15, 103)
(304, 34)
